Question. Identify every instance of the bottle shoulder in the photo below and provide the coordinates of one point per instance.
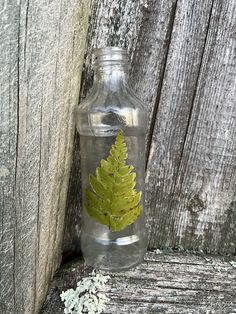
(103, 100)
(104, 113)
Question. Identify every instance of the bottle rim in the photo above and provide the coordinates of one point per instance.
(110, 55)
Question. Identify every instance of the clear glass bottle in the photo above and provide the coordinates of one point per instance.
(112, 123)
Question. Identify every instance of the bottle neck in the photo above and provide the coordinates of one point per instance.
(111, 77)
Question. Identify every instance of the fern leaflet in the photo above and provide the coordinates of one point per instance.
(113, 199)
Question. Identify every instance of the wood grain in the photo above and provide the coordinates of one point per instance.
(164, 283)
(41, 47)
(178, 89)
(194, 203)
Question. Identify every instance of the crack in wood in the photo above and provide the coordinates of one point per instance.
(195, 90)
(159, 88)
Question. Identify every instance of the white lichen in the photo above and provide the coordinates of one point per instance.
(88, 297)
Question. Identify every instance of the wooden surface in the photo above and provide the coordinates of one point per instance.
(183, 68)
(41, 53)
(165, 283)
(195, 171)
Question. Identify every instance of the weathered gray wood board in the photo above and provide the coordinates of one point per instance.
(164, 283)
(41, 52)
(194, 203)
(183, 68)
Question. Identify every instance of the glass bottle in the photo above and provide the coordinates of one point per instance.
(112, 123)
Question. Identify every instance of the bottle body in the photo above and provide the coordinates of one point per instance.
(111, 123)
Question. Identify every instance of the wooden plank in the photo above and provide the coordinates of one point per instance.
(8, 144)
(144, 28)
(163, 283)
(194, 204)
(40, 48)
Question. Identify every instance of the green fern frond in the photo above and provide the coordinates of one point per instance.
(113, 199)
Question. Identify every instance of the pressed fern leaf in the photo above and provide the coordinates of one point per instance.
(113, 199)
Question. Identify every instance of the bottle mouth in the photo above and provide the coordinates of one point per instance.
(110, 56)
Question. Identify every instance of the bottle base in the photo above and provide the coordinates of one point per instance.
(116, 256)
(108, 264)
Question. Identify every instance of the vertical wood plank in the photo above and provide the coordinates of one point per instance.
(8, 146)
(40, 75)
(204, 197)
(178, 90)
